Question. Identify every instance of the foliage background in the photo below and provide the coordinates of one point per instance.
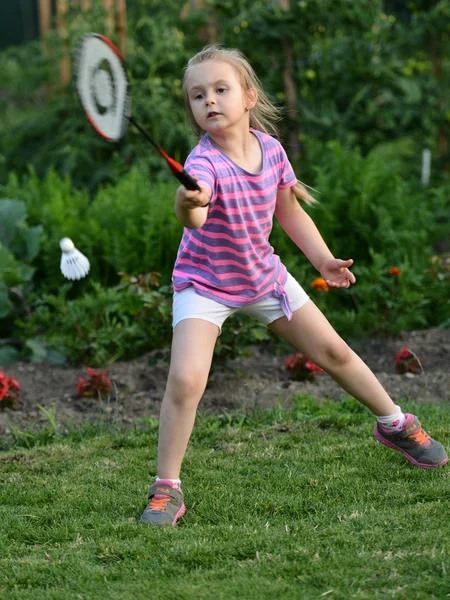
(365, 89)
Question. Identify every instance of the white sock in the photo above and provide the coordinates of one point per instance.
(394, 421)
(175, 482)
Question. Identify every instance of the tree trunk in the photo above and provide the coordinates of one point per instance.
(122, 25)
(64, 64)
(45, 22)
(108, 5)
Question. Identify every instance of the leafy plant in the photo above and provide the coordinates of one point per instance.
(9, 391)
(101, 326)
(96, 385)
(398, 303)
(407, 362)
(300, 367)
(129, 227)
(238, 333)
(366, 206)
(19, 245)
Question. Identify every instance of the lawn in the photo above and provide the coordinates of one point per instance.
(300, 504)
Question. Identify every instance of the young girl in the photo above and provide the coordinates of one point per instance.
(226, 264)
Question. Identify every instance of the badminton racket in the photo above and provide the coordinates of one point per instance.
(104, 92)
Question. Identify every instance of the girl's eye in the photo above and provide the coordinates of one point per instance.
(221, 90)
(198, 96)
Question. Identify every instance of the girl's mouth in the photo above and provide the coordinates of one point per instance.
(213, 114)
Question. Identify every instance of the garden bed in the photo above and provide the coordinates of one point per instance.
(258, 379)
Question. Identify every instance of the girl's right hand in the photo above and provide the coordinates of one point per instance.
(190, 199)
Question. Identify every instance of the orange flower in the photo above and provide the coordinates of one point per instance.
(395, 271)
(320, 285)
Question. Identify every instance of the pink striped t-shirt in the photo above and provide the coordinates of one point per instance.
(229, 259)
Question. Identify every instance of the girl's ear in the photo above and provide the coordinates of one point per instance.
(252, 98)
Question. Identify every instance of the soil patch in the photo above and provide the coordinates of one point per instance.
(258, 379)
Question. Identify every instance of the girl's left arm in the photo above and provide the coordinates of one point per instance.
(303, 232)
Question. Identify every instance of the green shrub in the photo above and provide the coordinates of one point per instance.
(129, 227)
(101, 326)
(367, 206)
(19, 245)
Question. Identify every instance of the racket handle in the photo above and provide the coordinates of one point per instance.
(189, 182)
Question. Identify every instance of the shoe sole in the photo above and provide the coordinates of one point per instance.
(179, 514)
(409, 458)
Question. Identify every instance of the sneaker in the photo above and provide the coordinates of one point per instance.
(414, 443)
(166, 504)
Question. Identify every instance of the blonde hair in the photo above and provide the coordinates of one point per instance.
(263, 116)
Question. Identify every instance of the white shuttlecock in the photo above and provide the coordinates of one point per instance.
(74, 265)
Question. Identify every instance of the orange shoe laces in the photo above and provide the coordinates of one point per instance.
(159, 502)
(420, 437)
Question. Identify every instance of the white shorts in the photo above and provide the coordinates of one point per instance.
(187, 304)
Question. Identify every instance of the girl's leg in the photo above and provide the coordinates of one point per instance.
(311, 333)
(192, 350)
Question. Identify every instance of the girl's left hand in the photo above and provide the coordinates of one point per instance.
(336, 273)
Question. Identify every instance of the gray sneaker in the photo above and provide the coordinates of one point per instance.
(414, 443)
(166, 504)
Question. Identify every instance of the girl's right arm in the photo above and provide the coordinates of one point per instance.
(191, 206)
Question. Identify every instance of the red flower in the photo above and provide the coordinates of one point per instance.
(96, 385)
(407, 362)
(4, 386)
(301, 367)
(14, 387)
(9, 391)
(395, 271)
(80, 386)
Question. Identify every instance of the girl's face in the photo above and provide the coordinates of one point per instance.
(216, 96)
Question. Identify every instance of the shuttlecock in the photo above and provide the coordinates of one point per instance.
(74, 265)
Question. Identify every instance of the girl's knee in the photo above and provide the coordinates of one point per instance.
(185, 384)
(337, 354)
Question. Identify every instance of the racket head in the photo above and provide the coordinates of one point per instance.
(102, 86)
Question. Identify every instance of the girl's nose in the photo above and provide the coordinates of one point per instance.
(210, 100)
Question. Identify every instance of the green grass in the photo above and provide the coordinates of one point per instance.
(281, 504)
